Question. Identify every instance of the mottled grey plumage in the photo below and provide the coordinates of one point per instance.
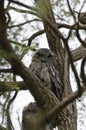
(44, 66)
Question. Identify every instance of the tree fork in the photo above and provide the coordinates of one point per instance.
(70, 119)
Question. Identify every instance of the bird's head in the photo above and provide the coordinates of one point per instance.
(43, 54)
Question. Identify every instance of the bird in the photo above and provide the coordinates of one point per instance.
(44, 66)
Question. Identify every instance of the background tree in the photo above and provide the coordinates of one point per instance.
(53, 17)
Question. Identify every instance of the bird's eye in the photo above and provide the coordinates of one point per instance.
(39, 54)
(49, 56)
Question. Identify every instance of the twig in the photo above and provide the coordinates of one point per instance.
(71, 11)
(23, 5)
(4, 105)
(73, 27)
(79, 38)
(9, 122)
(21, 24)
(81, 10)
(83, 75)
(34, 36)
(22, 11)
(6, 70)
(9, 18)
(72, 64)
(82, 6)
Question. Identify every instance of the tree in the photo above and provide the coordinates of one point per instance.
(39, 116)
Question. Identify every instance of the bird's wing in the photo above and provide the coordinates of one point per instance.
(41, 71)
(56, 86)
(35, 67)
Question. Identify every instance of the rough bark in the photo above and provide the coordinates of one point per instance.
(69, 120)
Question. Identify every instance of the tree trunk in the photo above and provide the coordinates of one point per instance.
(69, 119)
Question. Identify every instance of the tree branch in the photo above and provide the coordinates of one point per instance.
(52, 114)
(21, 24)
(11, 86)
(73, 27)
(34, 36)
(71, 11)
(80, 39)
(23, 11)
(78, 53)
(2, 128)
(6, 71)
(82, 73)
(66, 76)
(23, 5)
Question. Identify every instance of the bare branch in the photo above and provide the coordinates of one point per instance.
(12, 86)
(9, 121)
(80, 39)
(83, 75)
(66, 74)
(78, 53)
(52, 114)
(22, 11)
(72, 64)
(73, 27)
(71, 11)
(3, 128)
(6, 70)
(23, 5)
(82, 6)
(34, 36)
(21, 24)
